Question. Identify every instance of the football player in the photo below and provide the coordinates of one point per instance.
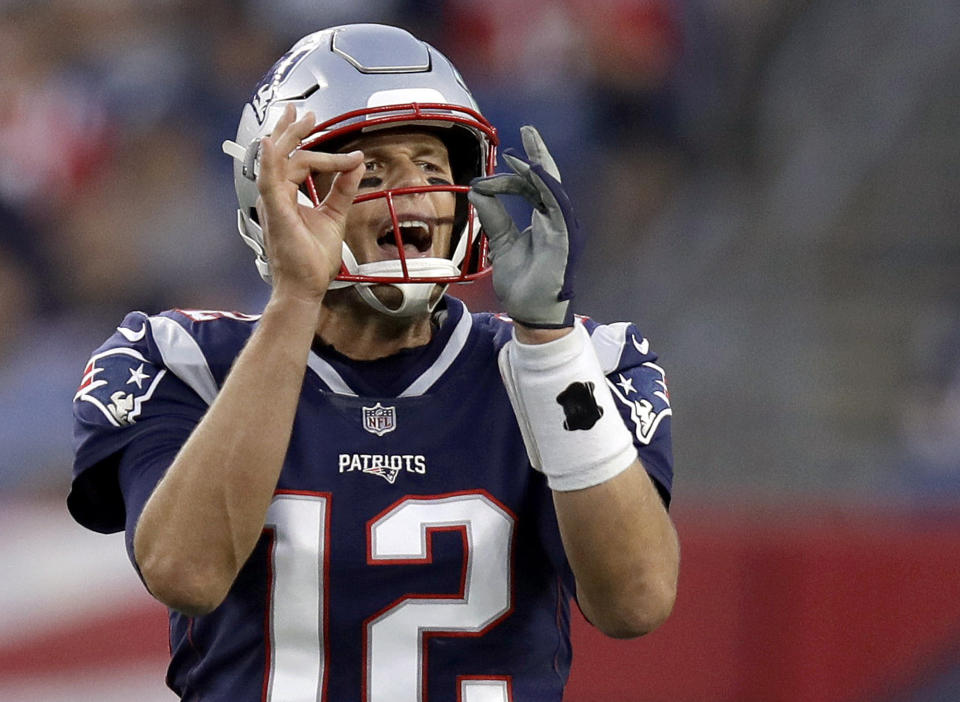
(367, 492)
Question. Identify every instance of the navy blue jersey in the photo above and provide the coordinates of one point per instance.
(410, 551)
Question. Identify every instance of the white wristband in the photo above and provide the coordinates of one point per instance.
(570, 425)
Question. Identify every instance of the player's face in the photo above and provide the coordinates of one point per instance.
(399, 159)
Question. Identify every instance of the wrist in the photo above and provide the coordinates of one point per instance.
(293, 309)
(531, 336)
(566, 414)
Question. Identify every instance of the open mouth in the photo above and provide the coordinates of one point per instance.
(416, 235)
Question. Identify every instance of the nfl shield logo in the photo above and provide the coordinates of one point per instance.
(379, 419)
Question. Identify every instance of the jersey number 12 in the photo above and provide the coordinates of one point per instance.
(299, 572)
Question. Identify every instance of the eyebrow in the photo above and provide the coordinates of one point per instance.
(423, 149)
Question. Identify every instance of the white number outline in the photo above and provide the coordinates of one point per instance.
(314, 509)
(276, 671)
(470, 578)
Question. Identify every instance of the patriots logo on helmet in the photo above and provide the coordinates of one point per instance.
(118, 382)
(266, 91)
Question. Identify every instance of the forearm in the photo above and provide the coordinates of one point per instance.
(207, 513)
(617, 534)
(624, 552)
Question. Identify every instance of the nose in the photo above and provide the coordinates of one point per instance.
(406, 173)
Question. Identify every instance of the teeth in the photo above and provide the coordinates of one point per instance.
(415, 232)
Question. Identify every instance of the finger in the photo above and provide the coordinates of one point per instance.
(270, 175)
(276, 177)
(557, 209)
(494, 219)
(288, 139)
(534, 193)
(518, 163)
(549, 189)
(302, 164)
(345, 185)
(537, 152)
(287, 117)
(507, 184)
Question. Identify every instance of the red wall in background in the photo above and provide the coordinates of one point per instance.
(775, 605)
(798, 605)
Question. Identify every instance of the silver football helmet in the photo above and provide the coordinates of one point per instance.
(357, 79)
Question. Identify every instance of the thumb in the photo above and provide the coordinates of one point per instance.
(343, 189)
(494, 219)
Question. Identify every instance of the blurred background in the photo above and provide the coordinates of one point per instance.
(771, 192)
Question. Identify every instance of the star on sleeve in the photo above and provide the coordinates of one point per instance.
(138, 376)
(626, 384)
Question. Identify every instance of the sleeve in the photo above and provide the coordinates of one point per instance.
(639, 388)
(128, 394)
(140, 467)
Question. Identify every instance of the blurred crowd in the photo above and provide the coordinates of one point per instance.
(769, 189)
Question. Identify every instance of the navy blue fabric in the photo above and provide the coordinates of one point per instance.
(458, 440)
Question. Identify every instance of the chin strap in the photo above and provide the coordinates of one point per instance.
(418, 298)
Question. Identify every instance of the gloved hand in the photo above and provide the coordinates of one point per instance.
(533, 268)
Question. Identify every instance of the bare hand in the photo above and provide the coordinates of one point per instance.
(304, 243)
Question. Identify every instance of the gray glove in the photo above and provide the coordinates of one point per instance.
(533, 268)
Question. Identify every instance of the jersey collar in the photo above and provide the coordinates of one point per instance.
(418, 370)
